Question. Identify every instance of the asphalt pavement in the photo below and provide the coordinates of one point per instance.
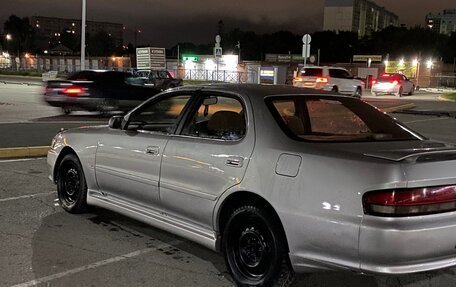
(42, 245)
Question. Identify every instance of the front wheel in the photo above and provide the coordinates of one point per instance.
(254, 249)
(412, 91)
(358, 93)
(71, 185)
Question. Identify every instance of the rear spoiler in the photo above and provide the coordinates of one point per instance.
(418, 155)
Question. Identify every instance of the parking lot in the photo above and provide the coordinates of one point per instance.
(41, 245)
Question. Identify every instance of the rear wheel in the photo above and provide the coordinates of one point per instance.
(399, 93)
(71, 185)
(254, 249)
(335, 89)
(66, 111)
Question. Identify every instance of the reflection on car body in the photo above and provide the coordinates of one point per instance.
(280, 179)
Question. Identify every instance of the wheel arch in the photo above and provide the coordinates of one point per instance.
(240, 198)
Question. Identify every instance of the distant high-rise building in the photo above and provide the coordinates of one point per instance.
(47, 28)
(360, 16)
(443, 23)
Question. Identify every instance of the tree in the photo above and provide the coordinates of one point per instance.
(21, 34)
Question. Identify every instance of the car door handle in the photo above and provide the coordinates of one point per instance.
(235, 161)
(153, 150)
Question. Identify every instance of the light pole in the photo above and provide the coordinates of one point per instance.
(83, 33)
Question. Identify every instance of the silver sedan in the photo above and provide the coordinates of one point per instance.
(279, 179)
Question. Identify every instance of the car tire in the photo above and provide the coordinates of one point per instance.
(335, 89)
(71, 185)
(399, 93)
(66, 111)
(412, 91)
(358, 93)
(254, 249)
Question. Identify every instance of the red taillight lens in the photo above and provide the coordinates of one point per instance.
(73, 91)
(322, 80)
(408, 202)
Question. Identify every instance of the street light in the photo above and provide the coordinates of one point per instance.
(9, 37)
(429, 63)
(83, 31)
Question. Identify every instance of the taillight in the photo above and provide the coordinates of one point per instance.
(322, 80)
(374, 82)
(408, 202)
(73, 91)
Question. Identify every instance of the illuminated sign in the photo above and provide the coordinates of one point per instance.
(189, 58)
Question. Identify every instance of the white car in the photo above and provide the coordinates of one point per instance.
(392, 83)
(333, 79)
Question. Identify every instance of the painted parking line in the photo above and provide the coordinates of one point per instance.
(426, 120)
(26, 196)
(96, 264)
(21, 159)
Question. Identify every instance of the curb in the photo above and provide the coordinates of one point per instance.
(440, 98)
(23, 152)
(398, 108)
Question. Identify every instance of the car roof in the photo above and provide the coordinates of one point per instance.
(256, 90)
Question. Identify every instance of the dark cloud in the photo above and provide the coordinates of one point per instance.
(166, 22)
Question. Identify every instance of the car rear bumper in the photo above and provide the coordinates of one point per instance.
(65, 101)
(385, 90)
(407, 244)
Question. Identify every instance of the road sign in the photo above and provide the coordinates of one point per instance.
(306, 39)
(151, 58)
(365, 58)
(218, 52)
(306, 51)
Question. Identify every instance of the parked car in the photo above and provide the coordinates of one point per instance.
(334, 79)
(161, 79)
(280, 179)
(98, 91)
(392, 83)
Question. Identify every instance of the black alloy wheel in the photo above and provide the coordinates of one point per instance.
(254, 249)
(71, 185)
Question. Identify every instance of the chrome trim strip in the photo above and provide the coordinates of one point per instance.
(185, 190)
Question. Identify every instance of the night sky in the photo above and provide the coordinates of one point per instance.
(166, 22)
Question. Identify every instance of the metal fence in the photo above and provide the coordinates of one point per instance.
(217, 76)
(443, 81)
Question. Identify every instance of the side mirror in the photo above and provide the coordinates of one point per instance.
(115, 122)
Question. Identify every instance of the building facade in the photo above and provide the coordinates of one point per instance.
(47, 28)
(359, 16)
(443, 23)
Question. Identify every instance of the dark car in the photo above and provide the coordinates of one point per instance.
(160, 79)
(103, 91)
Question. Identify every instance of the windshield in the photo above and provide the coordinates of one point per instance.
(323, 118)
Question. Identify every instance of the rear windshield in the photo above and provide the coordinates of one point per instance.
(311, 72)
(329, 119)
(388, 78)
